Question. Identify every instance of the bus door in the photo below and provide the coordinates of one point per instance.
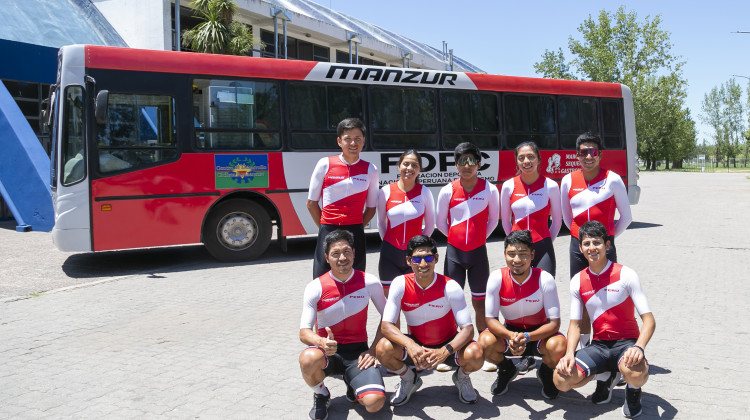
(142, 194)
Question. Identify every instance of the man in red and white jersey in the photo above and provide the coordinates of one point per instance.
(434, 308)
(336, 303)
(592, 193)
(467, 212)
(347, 186)
(527, 299)
(611, 293)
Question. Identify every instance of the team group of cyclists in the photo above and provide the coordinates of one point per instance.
(516, 308)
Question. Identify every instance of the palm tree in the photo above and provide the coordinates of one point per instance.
(218, 33)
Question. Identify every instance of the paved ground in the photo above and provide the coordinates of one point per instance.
(172, 333)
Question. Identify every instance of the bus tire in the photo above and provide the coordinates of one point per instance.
(237, 230)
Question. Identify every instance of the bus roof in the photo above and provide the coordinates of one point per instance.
(130, 59)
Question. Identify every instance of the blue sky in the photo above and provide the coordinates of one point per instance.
(508, 37)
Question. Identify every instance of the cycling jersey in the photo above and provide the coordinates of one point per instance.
(341, 306)
(468, 219)
(401, 214)
(523, 305)
(432, 314)
(345, 189)
(530, 207)
(610, 298)
(583, 201)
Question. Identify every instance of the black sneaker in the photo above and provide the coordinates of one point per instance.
(632, 407)
(506, 372)
(603, 392)
(549, 390)
(525, 364)
(320, 407)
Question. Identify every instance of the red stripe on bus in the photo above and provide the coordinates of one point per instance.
(116, 58)
(548, 86)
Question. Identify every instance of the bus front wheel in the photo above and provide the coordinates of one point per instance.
(237, 230)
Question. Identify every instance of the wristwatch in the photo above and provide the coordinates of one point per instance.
(449, 348)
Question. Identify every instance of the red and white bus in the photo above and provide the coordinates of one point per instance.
(158, 148)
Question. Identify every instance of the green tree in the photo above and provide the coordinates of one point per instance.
(618, 48)
(218, 33)
(724, 110)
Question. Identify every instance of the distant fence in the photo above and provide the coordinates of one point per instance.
(709, 164)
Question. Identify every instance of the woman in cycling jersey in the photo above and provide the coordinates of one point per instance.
(406, 208)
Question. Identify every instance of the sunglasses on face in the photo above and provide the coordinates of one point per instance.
(588, 152)
(427, 258)
(467, 160)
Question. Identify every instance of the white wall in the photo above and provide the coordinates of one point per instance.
(141, 23)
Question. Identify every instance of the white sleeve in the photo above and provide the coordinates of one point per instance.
(442, 209)
(492, 297)
(493, 216)
(316, 180)
(382, 213)
(576, 304)
(506, 213)
(633, 283)
(372, 189)
(313, 292)
(549, 295)
(392, 309)
(429, 211)
(555, 211)
(456, 299)
(623, 204)
(567, 211)
(375, 289)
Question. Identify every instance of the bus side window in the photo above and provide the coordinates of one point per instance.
(72, 148)
(530, 118)
(236, 114)
(576, 115)
(612, 129)
(140, 131)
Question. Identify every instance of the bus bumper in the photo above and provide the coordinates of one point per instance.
(634, 194)
(71, 240)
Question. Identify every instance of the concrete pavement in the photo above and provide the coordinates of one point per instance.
(172, 333)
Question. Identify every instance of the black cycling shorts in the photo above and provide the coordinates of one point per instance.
(344, 362)
(451, 360)
(544, 256)
(392, 264)
(602, 356)
(475, 262)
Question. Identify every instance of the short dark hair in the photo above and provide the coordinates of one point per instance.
(588, 137)
(467, 148)
(519, 237)
(420, 241)
(593, 229)
(411, 152)
(338, 235)
(528, 144)
(349, 124)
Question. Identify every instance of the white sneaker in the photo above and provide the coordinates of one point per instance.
(489, 367)
(442, 367)
(405, 389)
(466, 392)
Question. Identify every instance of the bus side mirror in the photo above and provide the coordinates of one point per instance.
(44, 118)
(100, 108)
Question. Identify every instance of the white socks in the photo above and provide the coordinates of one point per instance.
(320, 389)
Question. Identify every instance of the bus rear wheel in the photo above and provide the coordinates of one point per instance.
(237, 230)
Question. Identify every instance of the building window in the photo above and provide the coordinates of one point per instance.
(343, 57)
(297, 49)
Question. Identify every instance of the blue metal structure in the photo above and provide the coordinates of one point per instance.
(24, 169)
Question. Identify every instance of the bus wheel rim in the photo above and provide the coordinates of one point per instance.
(238, 231)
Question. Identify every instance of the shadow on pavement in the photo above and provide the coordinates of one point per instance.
(184, 258)
(643, 225)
